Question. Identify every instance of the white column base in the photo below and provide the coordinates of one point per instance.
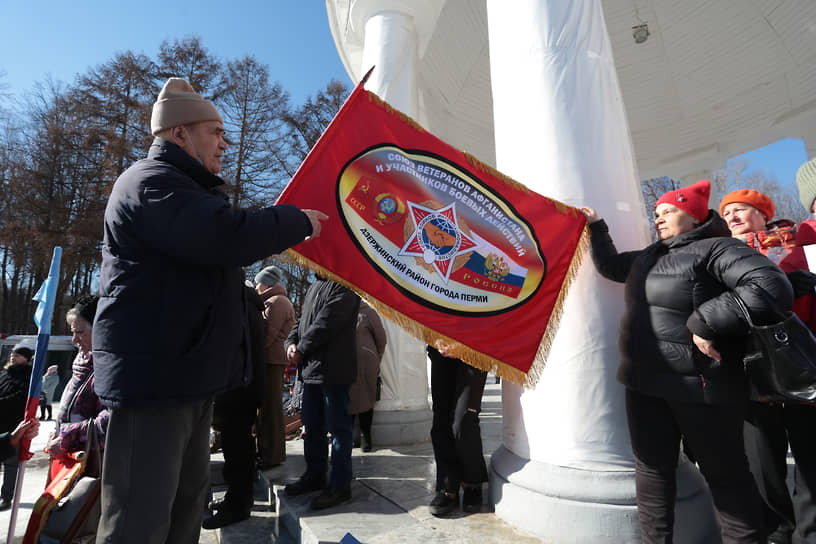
(395, 428)
(569, 505)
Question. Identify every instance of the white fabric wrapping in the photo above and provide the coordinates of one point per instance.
(390, 46)
(560, 128)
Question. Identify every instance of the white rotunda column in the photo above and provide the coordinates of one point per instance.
(565, 470)
(402, 415)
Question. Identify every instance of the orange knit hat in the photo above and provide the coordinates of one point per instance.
(753, 198)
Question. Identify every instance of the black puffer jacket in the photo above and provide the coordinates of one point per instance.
(325, 334)
(14, 382)
(170, 324)
(681, 286)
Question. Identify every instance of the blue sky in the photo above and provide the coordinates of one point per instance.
(782, 158)
(62, 39)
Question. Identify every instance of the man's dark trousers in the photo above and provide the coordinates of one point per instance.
(456, 391)
(234, 417)
(326, 409)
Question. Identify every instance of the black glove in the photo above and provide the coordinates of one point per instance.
(803, 282)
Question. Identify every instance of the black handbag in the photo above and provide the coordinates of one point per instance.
(780, 359)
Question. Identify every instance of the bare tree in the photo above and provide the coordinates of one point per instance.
(114, 101)
(253, 109)
(62, 150)
(308, 122)
(305, 125)
(736, 176)
(189, 59)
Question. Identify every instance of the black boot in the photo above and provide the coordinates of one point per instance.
(224, 517)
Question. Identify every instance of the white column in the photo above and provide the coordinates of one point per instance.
(391, 47)
(402, 416)
(565, 470)
(693, 177)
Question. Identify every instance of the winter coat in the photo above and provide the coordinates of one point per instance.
(170, 324)
(371, 342)
(804, 306)
(6, 449)
(49, 385)
(682, 286)
(280, 316)
(14, 382)
(80, 407)
(325, 334)
(256, 386)
(776, 242)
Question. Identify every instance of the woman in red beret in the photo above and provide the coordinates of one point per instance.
(680, 342)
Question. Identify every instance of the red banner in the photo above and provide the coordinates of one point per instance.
(458, 254)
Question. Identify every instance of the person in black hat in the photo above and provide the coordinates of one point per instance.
(14, 381)
(323, 344)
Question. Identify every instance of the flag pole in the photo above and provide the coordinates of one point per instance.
(42, 317)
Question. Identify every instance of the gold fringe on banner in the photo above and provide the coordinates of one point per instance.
(544, 347)
(453, 347)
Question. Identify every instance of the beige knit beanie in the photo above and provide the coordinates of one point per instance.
(806, 180)
(179, 104)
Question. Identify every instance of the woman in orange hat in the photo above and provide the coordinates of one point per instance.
(771, 428)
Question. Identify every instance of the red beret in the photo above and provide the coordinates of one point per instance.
(692, 199)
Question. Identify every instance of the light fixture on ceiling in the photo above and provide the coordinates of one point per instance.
(640, 32)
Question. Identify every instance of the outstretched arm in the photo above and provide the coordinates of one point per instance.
(609, 263)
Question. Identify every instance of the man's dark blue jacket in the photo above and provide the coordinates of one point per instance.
(170, 324)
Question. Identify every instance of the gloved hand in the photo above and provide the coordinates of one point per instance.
(803, 282)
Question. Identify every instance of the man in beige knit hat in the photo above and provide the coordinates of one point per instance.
(170, 329)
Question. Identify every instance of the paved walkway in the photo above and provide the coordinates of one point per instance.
(390, 496)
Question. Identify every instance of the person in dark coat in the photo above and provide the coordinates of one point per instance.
(233, 416)
(9, 447)
(770, 429)
(371, 341)
(14, 382)
(50, 380)
(10, 442)
(681, 342)
(170, 331)
(324, 346)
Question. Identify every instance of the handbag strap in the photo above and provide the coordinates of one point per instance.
(743, 308)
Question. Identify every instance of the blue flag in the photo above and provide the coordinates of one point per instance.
(42, 317)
